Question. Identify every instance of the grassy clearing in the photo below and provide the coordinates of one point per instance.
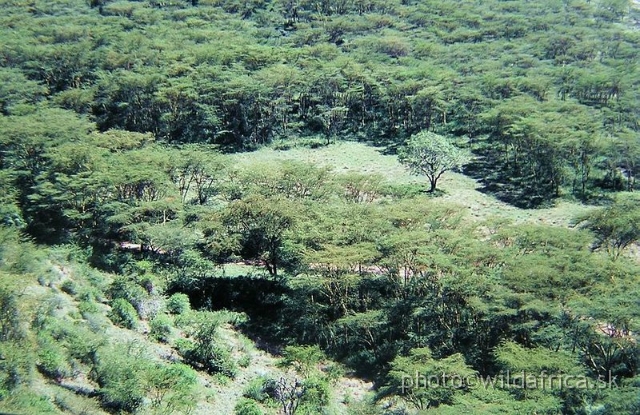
(243, 270)
(456, 187)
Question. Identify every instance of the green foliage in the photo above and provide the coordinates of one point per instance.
(432, 155)
(160, 328)
(616, 227)
(112, 118)
(10, 318)
(16, 365)
(257, 228)
(69, 287)
(515, 358)
(52, 361)
(206, 352)
(127, 376)
(123, 314)
(88, 307)
(317, 395)
(247, 407)
(255, 390)
(123, 288)
(294, 396)
(172, 388)
(28, 401)
(407, 374)
(178, 303)
(303, 359)
(120, 375)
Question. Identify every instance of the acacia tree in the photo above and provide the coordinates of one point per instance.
(256, 228)
(421, 366)
(432, 155)
(616, 227)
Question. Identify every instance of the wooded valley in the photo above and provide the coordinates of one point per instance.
(319, 206)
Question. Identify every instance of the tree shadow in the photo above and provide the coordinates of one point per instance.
(497, 179)
(261, 299)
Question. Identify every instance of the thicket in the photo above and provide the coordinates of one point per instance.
(113, 119)
(545, 94)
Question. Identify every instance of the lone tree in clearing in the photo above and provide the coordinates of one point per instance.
(431, 154)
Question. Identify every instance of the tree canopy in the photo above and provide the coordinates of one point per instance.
(178, 174)
(432, 155)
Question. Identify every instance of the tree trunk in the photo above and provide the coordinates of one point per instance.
(432, 181)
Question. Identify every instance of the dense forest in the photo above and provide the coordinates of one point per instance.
(152, 234)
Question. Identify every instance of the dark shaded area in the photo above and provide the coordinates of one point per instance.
(263, 300)
(505, 184)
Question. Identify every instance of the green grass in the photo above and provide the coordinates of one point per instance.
(242, 270)
(346, 157)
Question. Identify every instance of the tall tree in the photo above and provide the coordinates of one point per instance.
(432, 155)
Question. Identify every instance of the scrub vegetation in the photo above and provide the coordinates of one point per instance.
(304, 207)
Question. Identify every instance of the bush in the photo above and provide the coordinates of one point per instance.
(220, 361)
(310, 396)
(87, 307)
(82, 344)
(402, 190)
(160, 328)
(172, 388)
(244, 361)
(26, 401)
(150, 307)
(128, 290)
(69, 287)
(52, 362)
(15, 366)
(204, 352)
(10, 327)
(184, 347)
(123, 314)
(120, 376)
(178, 303)
(247, 407)
(303, 359)
(90, 294)
(316, 394)
(255, 390)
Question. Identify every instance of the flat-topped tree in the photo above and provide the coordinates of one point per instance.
(432, 155)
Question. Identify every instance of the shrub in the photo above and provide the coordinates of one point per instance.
(244, 361)
(160, 328)
(123, 314)
(184, 347)
(83, 344)
(172, 388)
(10, 327)
(128, 290)
(87, 307)
(247, 407)
(220, 361)
(316, 394)
(205, 353)
(304, 359)
(150, 307)
(309, 396)
(255, 390)
(333, 373)
(90, 294)
(178, 303)
(15, 366)
(52, 362)
(121, 379)
(26, 401)
(69, 287)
